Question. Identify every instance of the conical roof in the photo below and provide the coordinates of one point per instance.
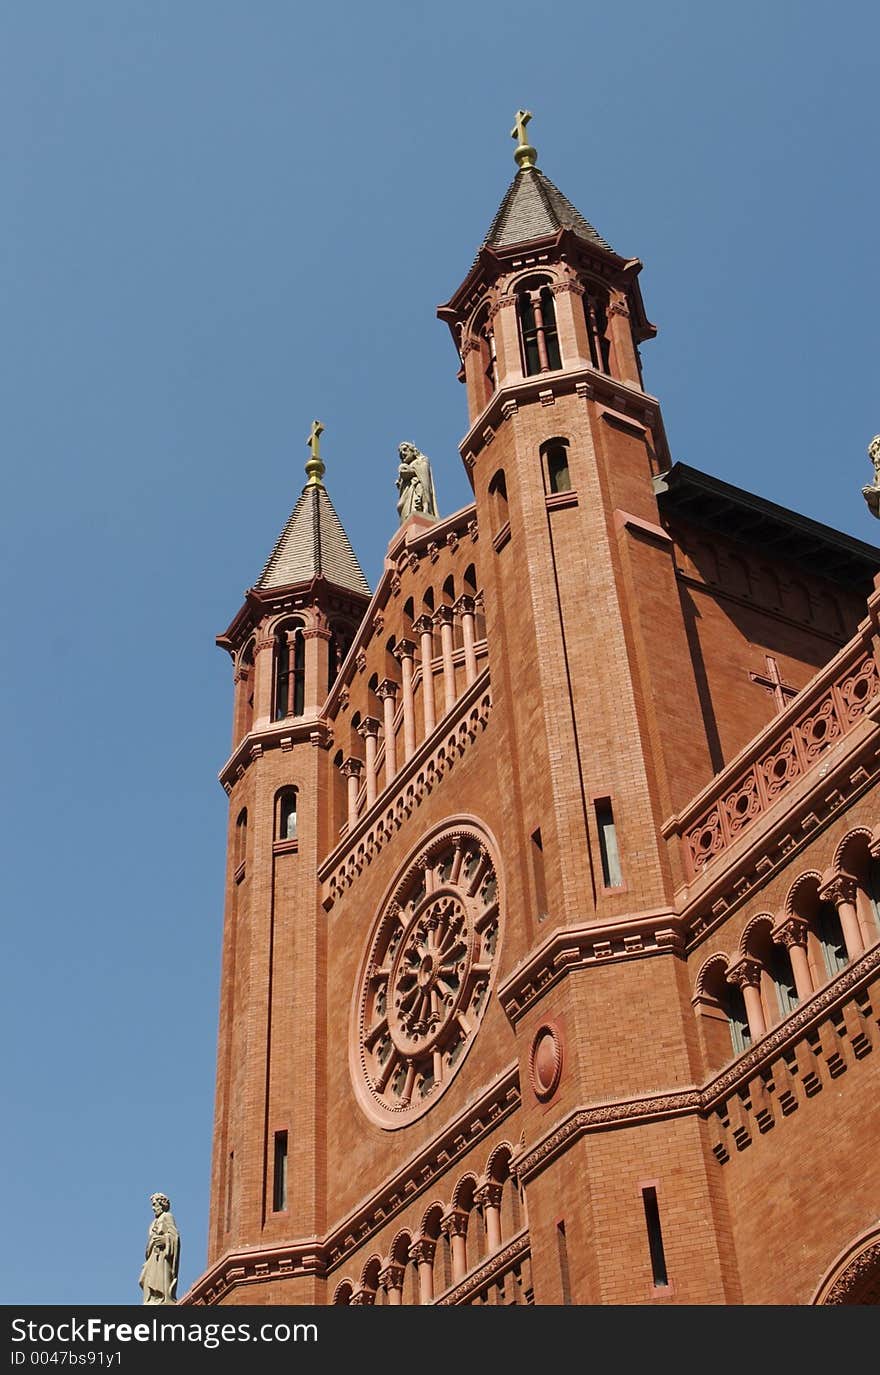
(534, 207)
(313, 544)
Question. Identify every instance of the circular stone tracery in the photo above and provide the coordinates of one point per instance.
(427, 978)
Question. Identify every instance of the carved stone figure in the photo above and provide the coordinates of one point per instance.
(158, 1278)
(415, 484)
(871, 493)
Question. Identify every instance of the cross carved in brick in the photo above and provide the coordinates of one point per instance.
(772, 682)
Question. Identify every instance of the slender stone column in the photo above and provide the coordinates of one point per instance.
(538, 310)
(351, 769)
(443, 617)
(422, 1252)
(424, 627)
(368, 730)
(747, 976)
(620, 333)
(466, 608)
(391, 1280)
(488, 1199)
(792, 933)
(387, 694)
(454, 1226)
(263, 665)
(840, 889)
(403, 652)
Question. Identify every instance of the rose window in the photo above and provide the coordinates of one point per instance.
(427, 978)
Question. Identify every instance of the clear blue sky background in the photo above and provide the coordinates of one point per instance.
(220, 220)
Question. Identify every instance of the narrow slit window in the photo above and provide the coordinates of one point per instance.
(230, 1180)
(562, 1251)
(655, 1236)
(611, 872)
(279, 1188)
(539, 875)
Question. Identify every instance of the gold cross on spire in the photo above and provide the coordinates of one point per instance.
(315, 468)
(524, 152)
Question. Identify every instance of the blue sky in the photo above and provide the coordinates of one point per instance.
(220, 220)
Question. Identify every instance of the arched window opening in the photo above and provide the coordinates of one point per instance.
(470, 579)
(240, 846)
(874, 889)
(484, 337)
(287, 802)
(596, 316)
(539, 339)
(246, 687)
(290, 671)
(556, 465)
(830, 933)
(734, 1007)
(498, 500)
(341, 637)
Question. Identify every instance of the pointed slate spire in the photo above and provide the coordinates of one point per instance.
(533, 206)
(313, 543)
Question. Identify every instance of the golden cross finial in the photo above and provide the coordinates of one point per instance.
(524, 152)
(315, 468)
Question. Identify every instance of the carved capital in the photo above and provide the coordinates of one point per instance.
(465, 606)
(392, 1276)
(839, 888)
(443, 615)
(362, 1298)
(746, 973)
(454, 1224)
(387, 688)
(360, 660)
(792, 931)
(423, 626)
(351, 767)
(619, 308)
(404, 649)
(422, 1250)
(488, 1195)
(369, 726)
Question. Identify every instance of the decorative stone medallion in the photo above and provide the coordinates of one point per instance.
(545, 1062)
(429, 968)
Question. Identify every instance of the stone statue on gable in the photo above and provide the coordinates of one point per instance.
(415, 484)
(871, 493)
(158, 1277)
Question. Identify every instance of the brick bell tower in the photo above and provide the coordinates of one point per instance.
(594, 692)
(286, 643)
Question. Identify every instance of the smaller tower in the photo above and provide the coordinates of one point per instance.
(287, 644)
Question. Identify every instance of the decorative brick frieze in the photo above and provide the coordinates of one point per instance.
(319, 1256)
(577, 947)
(830, 708)
(415, 781)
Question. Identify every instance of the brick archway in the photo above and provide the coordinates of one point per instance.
(854, 1278)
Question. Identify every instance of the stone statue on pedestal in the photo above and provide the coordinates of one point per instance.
(158, 1278)
(415, 484)
(871, 493)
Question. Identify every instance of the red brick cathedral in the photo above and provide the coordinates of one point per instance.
(551, 965)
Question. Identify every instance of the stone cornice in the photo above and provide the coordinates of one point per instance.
(314, 730)
(487, 1272)
(585, 382)
(703, 1100)
(575, 947)
(320, 1255)
(599, 1117)
(418, 777)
